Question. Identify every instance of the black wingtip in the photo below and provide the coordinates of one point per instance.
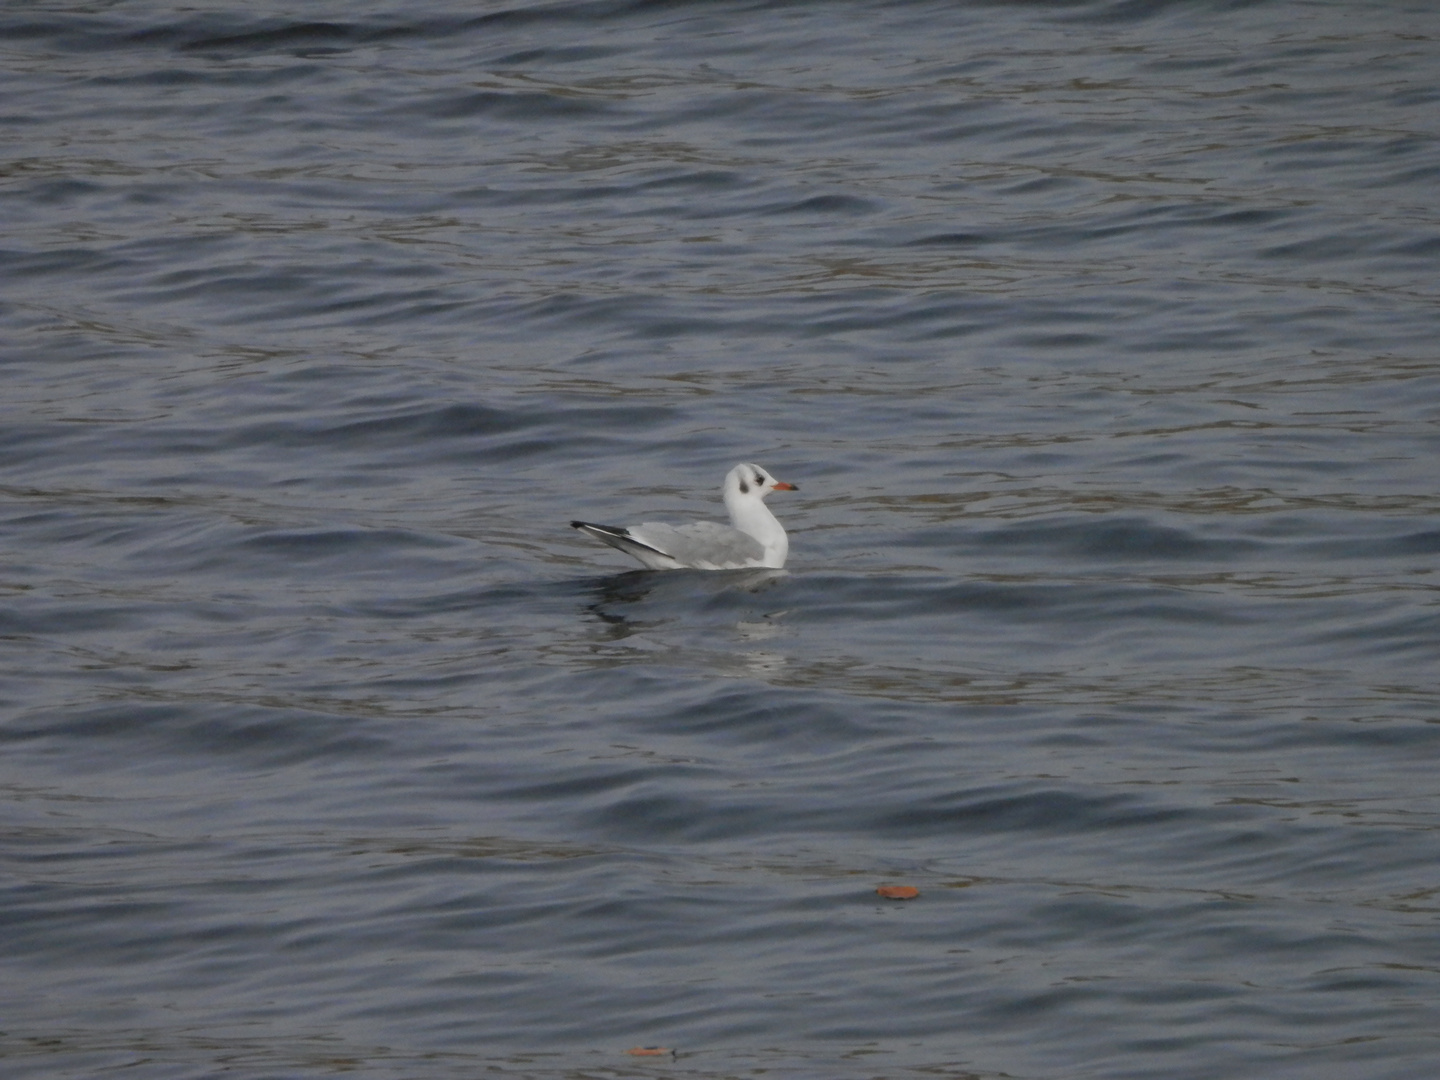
(608, 530)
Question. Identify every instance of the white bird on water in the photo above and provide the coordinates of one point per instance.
(753, 537)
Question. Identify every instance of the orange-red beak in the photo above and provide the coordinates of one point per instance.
(780, 485)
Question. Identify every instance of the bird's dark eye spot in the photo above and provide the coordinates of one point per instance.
(744, 488)
(759, 481)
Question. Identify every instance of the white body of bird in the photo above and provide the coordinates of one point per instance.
(753, 538)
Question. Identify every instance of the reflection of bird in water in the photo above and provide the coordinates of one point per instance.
(633, 586)
(753, 539)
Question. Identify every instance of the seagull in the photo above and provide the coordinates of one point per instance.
(754, 537)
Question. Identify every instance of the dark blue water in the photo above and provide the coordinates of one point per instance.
(1100, 340)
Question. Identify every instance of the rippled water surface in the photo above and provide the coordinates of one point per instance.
(1100, 338)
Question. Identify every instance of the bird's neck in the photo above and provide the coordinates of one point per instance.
(753, 517)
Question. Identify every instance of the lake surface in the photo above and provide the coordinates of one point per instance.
(1100, 339)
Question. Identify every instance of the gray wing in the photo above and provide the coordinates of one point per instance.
(705, 545)
(649, 557)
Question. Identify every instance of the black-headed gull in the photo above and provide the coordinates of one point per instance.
(753, 538)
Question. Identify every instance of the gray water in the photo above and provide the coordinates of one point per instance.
(1100, 339)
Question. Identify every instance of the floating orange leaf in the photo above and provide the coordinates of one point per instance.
(898, 892)
(648, 1051)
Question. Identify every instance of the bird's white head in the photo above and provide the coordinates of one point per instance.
(746, 481)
